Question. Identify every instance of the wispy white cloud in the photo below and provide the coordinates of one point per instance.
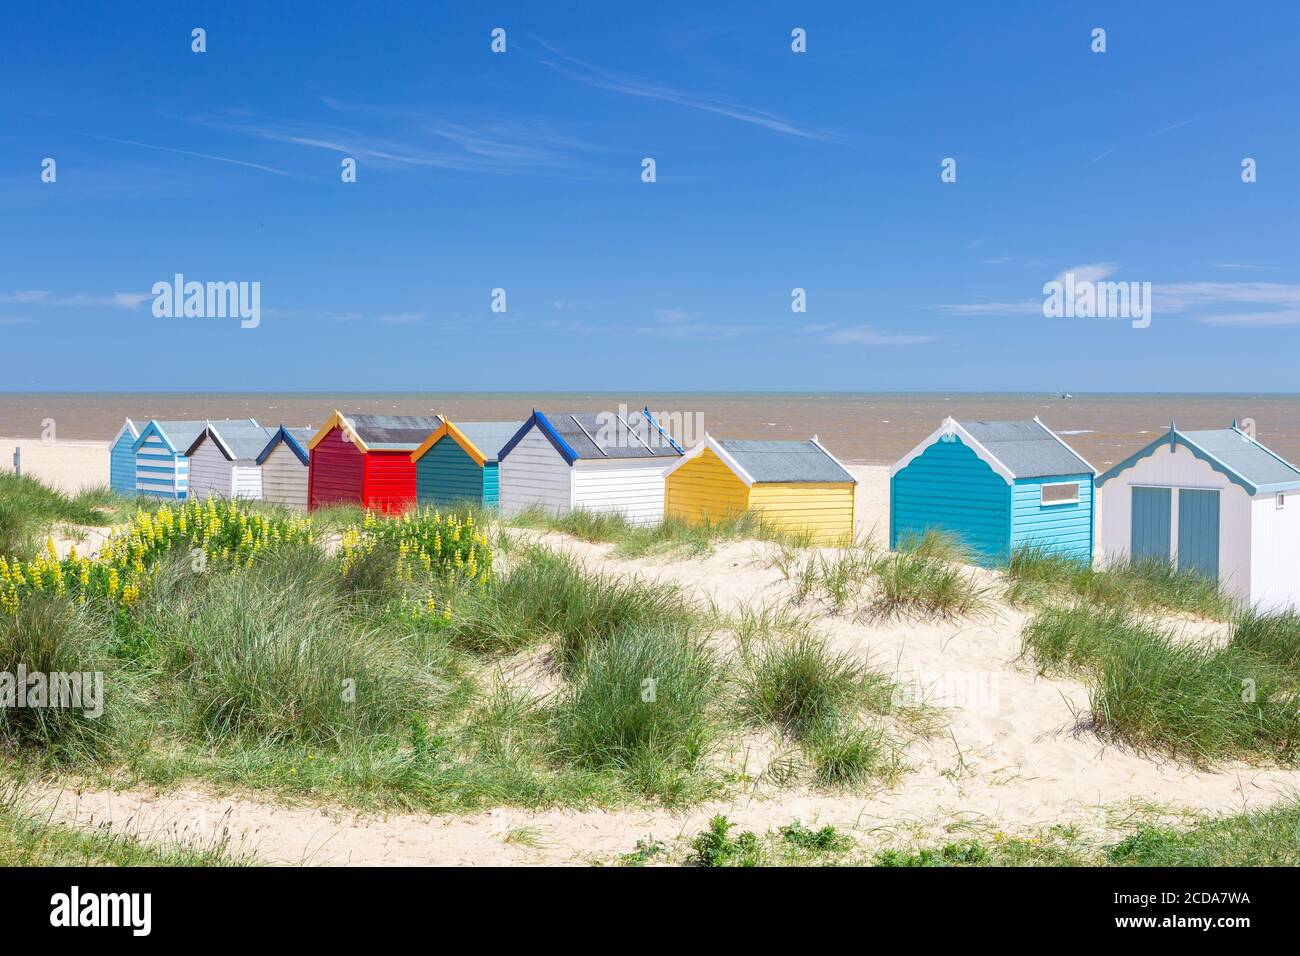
(1241, 267)
(865, 335)
(991, 308)
(1278, 317)
(1088, 272)
(666, 324)
(1172, 297)
(398, 137)
(678, 323)
(401, 318)
(44, 297)
(1174, 126)
(190, 152)
(672, 315)
(589, 74)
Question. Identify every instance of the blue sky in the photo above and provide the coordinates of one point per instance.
(775, 170)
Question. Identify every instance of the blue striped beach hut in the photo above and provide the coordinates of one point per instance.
(121, 459)
(996, 487)
(161, 468)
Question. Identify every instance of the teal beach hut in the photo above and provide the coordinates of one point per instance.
(458, 463)
(161, 467)
(121, 459)
(996, 487)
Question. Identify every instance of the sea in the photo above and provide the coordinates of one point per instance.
(861, 427)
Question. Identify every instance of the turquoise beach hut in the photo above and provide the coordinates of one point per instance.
(121, 459)
(161, 467)
(458, 463)
(997, 487)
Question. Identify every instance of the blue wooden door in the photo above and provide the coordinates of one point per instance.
(1149, 540)
(1198, 532)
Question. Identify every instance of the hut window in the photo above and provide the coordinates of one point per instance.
(1065, 493)
(1281, 500)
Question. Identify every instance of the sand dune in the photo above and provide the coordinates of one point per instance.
(1013, 757)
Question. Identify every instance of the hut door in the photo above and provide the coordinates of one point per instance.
(1149, 540)
(1198, 532)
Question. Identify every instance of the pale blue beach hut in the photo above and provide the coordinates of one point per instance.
(996, 487)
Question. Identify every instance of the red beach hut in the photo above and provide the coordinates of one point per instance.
(366, 460)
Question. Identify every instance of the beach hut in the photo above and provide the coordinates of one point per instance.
(1216, 502)
(459, 463)
(121, 459)
(595, 461)
(366, 460)
(284, 462)
(997, 487)
(223, 461)
(791, 485)
(161, 467)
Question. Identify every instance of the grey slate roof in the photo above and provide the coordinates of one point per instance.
(182, 434)
(1249, 459)
(1027, 448)
(244, 439)
(394, 432)
(302, 436)
(785, 461)
(489, 437)
(604, 435)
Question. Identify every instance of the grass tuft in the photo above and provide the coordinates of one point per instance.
(640, 706)
(1193, 700)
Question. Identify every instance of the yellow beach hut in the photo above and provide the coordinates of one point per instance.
(791, 485)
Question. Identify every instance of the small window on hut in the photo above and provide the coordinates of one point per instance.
(1064, 493)
(1281, 500)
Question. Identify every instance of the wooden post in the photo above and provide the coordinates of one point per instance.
(18, 460)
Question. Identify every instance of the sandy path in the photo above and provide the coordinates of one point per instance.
(1010, 759)
(67, 465)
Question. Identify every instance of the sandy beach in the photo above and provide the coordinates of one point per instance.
(70, 466)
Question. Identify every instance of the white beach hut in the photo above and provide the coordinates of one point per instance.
(223, 460)
(592, 461)
(1216, 502)
(284, 463)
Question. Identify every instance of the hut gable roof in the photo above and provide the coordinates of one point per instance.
(235, 440)
(774, 462)
(1229, 451)
(295, 439)
(599, 436)
(1029, 449)
(382, 432)
(482, 441)
(785, 462)
(179, 435)
(129, 427)
(490, 437)
(1017, 449)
